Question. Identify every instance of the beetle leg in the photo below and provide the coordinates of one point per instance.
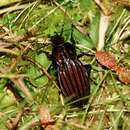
(83, 54)
(62, 29)
(49, 68)
(49, 56)
(88, 68)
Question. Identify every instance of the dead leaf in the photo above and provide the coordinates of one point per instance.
(106, 59)
(123, 74)
(45, 118)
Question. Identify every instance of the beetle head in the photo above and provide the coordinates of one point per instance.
(57, 39)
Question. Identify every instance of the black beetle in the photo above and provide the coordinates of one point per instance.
(73, 77)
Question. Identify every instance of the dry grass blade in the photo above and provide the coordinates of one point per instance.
(10, 76)
(4, 44)
(76, 125)
(32, 123)
(30, 10)
(21, 85)
(8, 2)
(103, 6)
(48, 14)
(75, 24)
(8, 51)
(123, 2)
(104, 22)
(12, 124)
(13, 8)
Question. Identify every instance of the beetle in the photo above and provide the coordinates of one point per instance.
(73, 77)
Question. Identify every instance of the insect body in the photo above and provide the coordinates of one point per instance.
(73, 79)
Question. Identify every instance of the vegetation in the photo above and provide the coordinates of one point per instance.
(29, 97)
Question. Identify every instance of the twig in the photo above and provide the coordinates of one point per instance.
(38, 65)
(42, 69)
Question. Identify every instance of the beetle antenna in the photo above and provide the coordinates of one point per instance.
(71, 38)
(62, 29)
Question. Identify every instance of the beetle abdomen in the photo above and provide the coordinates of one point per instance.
(73, 79)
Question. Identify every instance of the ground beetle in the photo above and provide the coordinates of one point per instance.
(72, 75)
